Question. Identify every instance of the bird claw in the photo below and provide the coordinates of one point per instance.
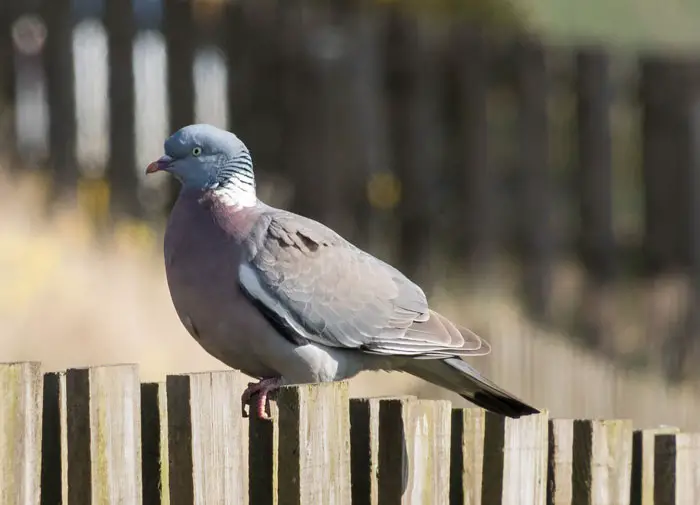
(262, 390)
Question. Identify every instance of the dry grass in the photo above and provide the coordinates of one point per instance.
(69, 299)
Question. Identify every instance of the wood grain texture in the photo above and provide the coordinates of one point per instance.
(104, 435)
(560, 462)
(207, 439)
(515, 460)
(414, 451)
(467, 462)
(643, 447)
(677, 469)
(602, 466)
(20, 433)
(314, 444)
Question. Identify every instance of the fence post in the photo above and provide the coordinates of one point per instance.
(121, 171)
(207, 439)
(602, 466)
(476, 224)
(414, 451)
(415, 133)
(537, 241)
(596, 239)
(677, 469)
(643, 447)
(8, 14)
(467, 460)
(60, 88)
(104, 435)
(178, 21)
(20, 433)
(314, 444)
(682, 347)
(560, 462)
(515, 460)
(154, 437)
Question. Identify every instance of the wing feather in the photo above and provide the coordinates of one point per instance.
(321, 288)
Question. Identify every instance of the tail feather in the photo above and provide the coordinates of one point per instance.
(460, 377)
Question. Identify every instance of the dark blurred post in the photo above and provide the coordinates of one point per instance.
(660, 89)
(684, 349)
(8, 13)
(179, 29)
(252, 44)
(596, 240)
(60, 87)
(121, 170)
(659, 93)
(372, 195)
(475, 227)
(537, 239)
(413, 98)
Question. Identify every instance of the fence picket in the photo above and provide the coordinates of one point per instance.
(602, 466)
(20, 433)
(103, 435)
(207, 439)
(314, 445)
(515, 460)
(467, 464)
(677, 468)
(414, 451)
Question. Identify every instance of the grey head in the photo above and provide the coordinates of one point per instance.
(203, 157)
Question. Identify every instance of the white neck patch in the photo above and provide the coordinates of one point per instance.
(235, 195)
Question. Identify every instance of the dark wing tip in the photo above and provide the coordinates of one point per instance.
(503, 405)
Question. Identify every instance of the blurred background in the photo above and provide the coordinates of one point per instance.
(533, 164)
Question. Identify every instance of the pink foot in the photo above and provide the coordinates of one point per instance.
(262, 389)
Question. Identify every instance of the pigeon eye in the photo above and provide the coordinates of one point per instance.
(196, 151)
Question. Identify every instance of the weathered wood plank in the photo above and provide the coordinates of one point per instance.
(602, 462)
(677, 469)
(643, 447)
(207, 439)
(364, 449)
(414, 451)
(560, 462)
(515, 460)
(314, 444)
(467, 463)
(104, 435)
(20, 433)
(154, 436)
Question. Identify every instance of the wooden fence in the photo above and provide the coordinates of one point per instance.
(449, 141)
(96, 435)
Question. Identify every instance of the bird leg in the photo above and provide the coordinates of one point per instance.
(262, 389)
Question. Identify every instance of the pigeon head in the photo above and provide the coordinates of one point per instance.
(203, 157)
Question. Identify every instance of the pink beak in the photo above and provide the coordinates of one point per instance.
(160, 164)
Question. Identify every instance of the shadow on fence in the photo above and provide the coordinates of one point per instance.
(96, 435)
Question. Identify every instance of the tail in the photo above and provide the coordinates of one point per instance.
(458, 376)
